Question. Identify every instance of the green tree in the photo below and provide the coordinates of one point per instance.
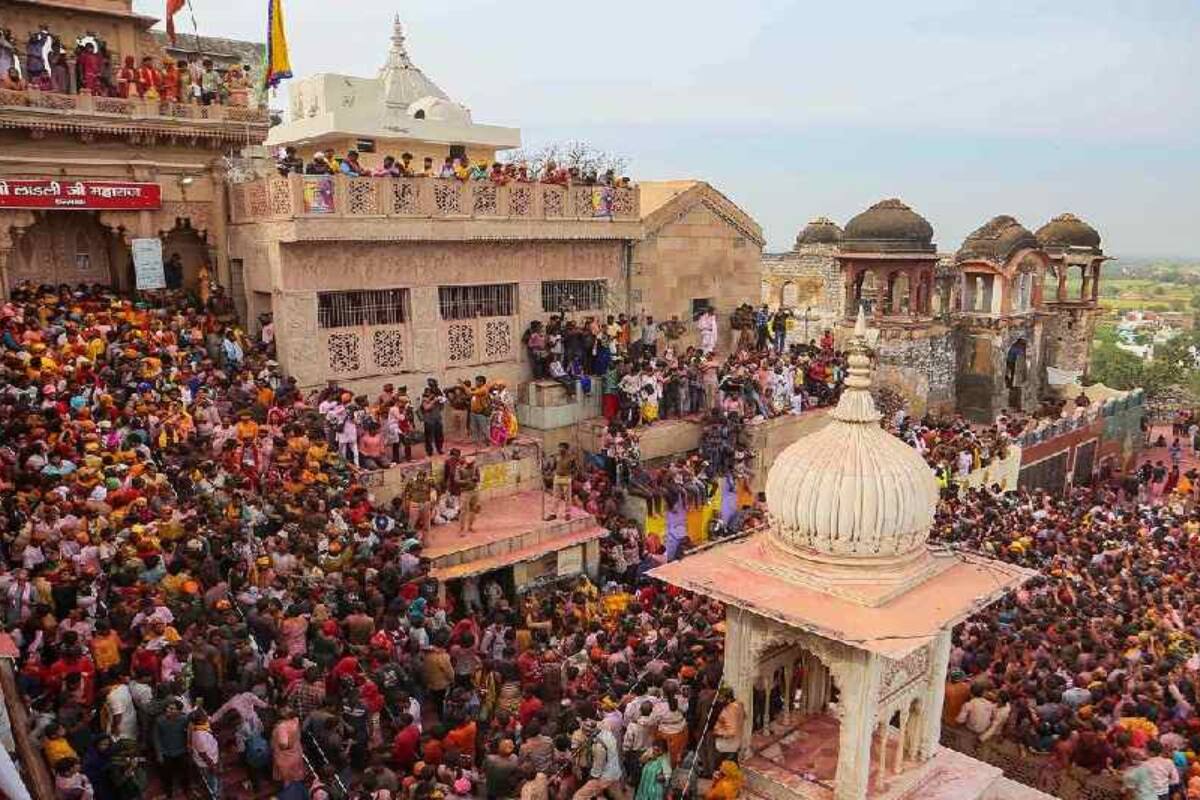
(1116, 368)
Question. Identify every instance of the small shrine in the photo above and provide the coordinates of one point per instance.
(839, 617)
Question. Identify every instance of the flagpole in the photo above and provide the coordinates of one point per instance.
(195, 29)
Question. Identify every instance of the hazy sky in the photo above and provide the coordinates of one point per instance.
(794, 109)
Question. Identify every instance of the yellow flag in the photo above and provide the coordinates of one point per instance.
(279, 67)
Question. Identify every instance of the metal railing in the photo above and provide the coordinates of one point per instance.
(343, 197)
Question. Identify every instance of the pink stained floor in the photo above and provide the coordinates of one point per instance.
(500, 518)
(806, 752)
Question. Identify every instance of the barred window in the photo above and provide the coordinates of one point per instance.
(558, 296)
(367, 307)
(483, 300)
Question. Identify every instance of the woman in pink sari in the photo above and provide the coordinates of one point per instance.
(287, 754)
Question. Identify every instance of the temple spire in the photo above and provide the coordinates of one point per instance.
(398, 57)
(856, 404)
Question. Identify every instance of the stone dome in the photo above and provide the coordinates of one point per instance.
(889, 226)
(1068, 230)
(996, 240)
(821, 230)
(439, 109)
(851, 492)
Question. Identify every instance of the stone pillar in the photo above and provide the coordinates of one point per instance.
(914, 284)
(1085, 291)
(934, 697)
(739, 664)
(857, 712)
(1096, 283)
(1061, 295)
(902, 746)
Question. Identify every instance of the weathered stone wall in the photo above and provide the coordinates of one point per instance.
(698, 255)
(919, 364)
(808, 277)
(982, 347)
(1067, 341)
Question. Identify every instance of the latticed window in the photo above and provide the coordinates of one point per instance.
(368, 307)
(574, 296)
(483, 300)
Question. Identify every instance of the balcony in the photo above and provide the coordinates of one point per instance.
(481, 209)
(85, 113)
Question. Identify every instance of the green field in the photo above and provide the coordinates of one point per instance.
(1127, 294)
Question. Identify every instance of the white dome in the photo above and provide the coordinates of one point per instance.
(440, 110)
(852, 490)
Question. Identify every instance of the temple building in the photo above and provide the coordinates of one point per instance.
(400, 110)
(83, 175)
(1004, 322)
(374, 280)
(844, 593)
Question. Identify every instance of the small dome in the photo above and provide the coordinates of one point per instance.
(1068, 230)
(439, 110)
(851, 490)
(996, 241)
(821, 230)
(889, 226)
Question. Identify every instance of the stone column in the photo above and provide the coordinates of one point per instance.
(1061, 295)
(902, 747)
(1085, 291)
(857, 711)
(914, 284)
(934, 697)
(739, 665)
(1096, 283)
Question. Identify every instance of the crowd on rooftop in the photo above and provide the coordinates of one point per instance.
(45, 65)
(451, 168)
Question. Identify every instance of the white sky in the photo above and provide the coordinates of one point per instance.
(963, 108)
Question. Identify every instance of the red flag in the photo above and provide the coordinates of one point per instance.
(173, 8)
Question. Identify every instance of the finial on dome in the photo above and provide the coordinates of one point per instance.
(856, 403)
(399, 51)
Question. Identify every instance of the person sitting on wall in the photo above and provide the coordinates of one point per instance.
(427, 170)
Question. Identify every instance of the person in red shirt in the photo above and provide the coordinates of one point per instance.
(531, 706)
(71, 662)
(406, 742)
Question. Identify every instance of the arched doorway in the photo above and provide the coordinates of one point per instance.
(188, 246)
(70, 247)
(789, 295)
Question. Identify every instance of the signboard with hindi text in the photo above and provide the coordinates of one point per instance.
(69, 195)
(148, 264)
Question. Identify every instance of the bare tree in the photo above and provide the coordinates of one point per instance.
(572, 153)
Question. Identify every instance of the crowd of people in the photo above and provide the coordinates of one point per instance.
(46, 65)
(953, 447)
(205, 600)
(1093, 663)
(451, 168)
(644, 375)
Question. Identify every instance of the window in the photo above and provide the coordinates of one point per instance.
(371, 307)
(485, 300)
(574, 296)
(699, 304)
(365, 145)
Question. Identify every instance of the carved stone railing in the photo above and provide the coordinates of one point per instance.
(85, 103)
(341, 197)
